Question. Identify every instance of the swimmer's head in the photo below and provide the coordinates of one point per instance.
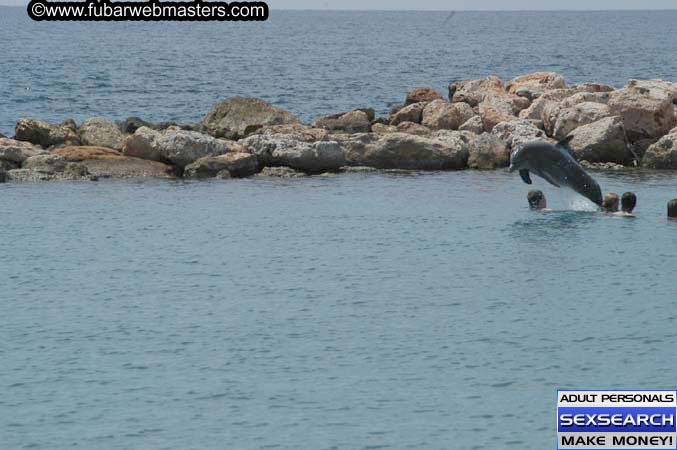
(536, 200)
(672, 209)
(610, 203)
(628, 202)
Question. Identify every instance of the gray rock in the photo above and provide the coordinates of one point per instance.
(445, 150)
(381, 128)
(663, 154)
(413, 128)
(488, 152)
(516, 133)
(281, 172)
(45, 163)
(16, 152)
(646, 112)
(100, 132)
(293, 151)
(570, 118)
(352, 122)
(237, 117)
(474, 125)
(473, 92)
(178, 147)
(441, 115)
(601, 141)
(44, 134)
(237, 165)
(602, 166)
(410, 113)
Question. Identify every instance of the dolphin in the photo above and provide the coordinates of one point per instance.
(554, 164)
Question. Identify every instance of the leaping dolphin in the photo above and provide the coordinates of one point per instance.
(555, 165)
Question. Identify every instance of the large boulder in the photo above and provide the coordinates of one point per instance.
(413, 128)
(533, 85)
(410, 113)
(517, 132)
(100, 132)
(13, 153)
(237, 117)
(281, 172)
(646, 112)
(444, 150)
(45, 134)
(473, 92)
(305, 132)
(441, 115)
(106, 162)
(47, 163)
(567, 119)
(488, 152)
(295, 152)
(554, 96)
(662, 154)
(499, 107)
(424, 95)
(179, 147)
(474, 125)
(600, 141)
(660, 87)
(352, 122)
(237, 164)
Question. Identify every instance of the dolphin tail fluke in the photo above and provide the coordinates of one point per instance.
(524, 173)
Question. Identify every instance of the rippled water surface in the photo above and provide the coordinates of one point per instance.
(355, 311)
(311, 63)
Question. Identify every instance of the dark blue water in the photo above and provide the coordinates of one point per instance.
(311, 63)
(357, 311)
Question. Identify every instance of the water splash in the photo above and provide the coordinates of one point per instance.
(574, 201)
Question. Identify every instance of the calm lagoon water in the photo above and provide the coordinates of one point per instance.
(310, 62)
(355, 311)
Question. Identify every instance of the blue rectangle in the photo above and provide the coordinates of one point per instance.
(664, 412)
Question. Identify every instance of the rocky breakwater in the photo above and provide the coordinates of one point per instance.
(475, 127)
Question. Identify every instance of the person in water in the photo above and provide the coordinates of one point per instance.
(628, 203)
(610, 203)
(672, 209)
(537, 200)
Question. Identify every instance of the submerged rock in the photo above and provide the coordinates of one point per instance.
(237, 117)
(662, 154)
(601, 141)
(106, 162)
(602, 166)
(100, 132)
(237, 164)
(352, 122)
(281, 172)
(44, 134)
(178, 147)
